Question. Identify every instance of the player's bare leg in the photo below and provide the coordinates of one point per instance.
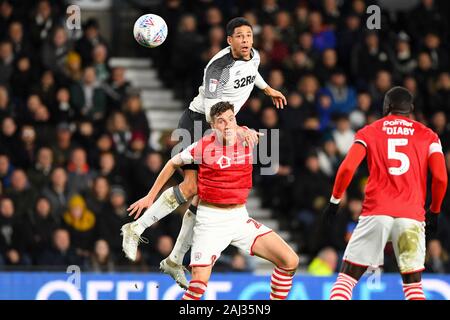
(173, 264)
(346, 281)
(167, 202)
(412, 286)
(273, 248)
(198, 283)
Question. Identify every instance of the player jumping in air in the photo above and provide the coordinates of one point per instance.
(399, 152)
(224, 182)
(229, 76)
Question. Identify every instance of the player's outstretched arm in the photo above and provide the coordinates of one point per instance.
(164, 176)
(347, 169)
(436, 163)
(278, 99)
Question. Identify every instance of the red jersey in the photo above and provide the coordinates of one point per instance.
(397, 157)
(225, 172)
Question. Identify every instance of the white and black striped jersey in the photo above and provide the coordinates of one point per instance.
(227, 79)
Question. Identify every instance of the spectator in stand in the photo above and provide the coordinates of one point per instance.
(55, 50)
(58, 193)
(22, 193)
(110, 169)
(39, 174)
(87, 96)
(343, 95)
(80, 175)
(276, 50)
(24, 72)
(119, 129)
(440, 99)
(325, 263)
(144, 174)
(283, 26)
(136, 116)
(378, 88)
(15, 236)
(309, 194)
(6, 170)
(81, 224)
(9, 138)
(186, 58)
(323, 36)
(327, 65)
(101, 259)
(343, 135)
(21, 45)
(363, 106)
(61, 254)
(368, 58)
(163, 248)
(91, 38)
(308, 86)
(42, 224)
(6, 62)
(251, 114)
(113, 217)
(404, 59)
(100, 63)
(63, 144)
(440, 126)
(6, 107)
(117, 89)
(42, 22)
(72, 69)
(97, 198)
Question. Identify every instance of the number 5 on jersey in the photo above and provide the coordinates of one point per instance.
(395, 155)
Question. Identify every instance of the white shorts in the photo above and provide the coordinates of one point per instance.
(215, 229)
(366, 245)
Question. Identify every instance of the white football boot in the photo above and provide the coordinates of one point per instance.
(130, 241)
(176, 271)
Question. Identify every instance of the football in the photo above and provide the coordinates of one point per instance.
(150, 30)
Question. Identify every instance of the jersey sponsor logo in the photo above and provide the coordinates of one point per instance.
(239, 83)
(224, 162)
(213, 85)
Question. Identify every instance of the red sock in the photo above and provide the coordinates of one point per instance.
(195, 290)
(413, 291)
(281, 283)
(343, 287)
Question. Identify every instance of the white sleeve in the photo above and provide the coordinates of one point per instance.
(435, 147)
(186, 155)
(260, 83)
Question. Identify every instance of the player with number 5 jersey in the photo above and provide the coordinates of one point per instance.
(399, 153)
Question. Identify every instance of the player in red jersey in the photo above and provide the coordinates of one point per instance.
(399, 152)
(224, 182)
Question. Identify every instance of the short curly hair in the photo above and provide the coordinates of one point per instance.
(219, 108)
